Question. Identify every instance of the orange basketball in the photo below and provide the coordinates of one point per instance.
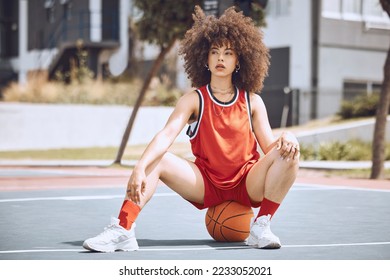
(229, 221)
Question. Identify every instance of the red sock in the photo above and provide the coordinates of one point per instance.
(268, 207)
(129, 212)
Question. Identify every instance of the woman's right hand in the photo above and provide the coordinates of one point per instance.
(136, 185)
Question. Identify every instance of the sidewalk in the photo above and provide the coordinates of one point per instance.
(315, 164)
(38, 174)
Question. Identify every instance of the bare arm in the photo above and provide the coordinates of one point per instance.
(286, 143)
(185, 107)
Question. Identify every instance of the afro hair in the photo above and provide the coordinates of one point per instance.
(230, 28)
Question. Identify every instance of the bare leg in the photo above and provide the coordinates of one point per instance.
(268, 181)
(271, 177)
(181, 175)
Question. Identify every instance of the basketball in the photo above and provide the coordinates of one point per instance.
(229, 221)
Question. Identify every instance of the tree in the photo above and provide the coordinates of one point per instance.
(379, 143)
(162, 23)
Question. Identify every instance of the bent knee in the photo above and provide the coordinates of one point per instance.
(164, 162)
(287, 162)
(167, 159)
(168, 163)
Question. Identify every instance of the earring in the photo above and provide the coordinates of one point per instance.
(207, 67)
(238, 67)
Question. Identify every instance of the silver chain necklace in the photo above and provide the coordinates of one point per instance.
(223, 102)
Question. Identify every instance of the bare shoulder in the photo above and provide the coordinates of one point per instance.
(257, 102)
(188, 97)
(189, 103)
(191, 95)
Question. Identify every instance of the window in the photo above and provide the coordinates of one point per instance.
(2, 33)
(278, 8)
(361, 10)
(49, 6)
(210, 7)
(352, 9)
(331, 8)
(353, 88)
(67, 9)
(372, 11)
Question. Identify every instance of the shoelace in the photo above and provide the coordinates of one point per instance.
(264, 223)
(107, 230)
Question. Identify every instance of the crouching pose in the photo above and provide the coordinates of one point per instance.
(226, 60)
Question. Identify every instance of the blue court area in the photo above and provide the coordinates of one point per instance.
(314, 223)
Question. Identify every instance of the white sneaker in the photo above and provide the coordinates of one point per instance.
(113, 238)
(261, 236)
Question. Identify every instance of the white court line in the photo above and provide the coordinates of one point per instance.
(88, 197)
(200, 248)
(335, 187)
(296, 187)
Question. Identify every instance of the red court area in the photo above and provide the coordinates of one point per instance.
(40, 178)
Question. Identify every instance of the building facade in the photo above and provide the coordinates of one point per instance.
(324, 52)
(40, 36)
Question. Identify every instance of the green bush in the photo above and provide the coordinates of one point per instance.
(308, 152)
(361, 106)
(90, 92)
(353, 150)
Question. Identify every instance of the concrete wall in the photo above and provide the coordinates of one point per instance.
(38, 126)
(363, 130)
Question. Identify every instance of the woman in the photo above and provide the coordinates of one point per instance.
(226, 61)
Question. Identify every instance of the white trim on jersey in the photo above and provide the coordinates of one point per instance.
(193, 128)
(226, 104)
(249, 108)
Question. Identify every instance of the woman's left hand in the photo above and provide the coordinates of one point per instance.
(288, 146)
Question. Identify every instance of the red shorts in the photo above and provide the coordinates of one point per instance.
(214, 195)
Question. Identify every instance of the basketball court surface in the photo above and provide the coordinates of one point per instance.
(46, 214)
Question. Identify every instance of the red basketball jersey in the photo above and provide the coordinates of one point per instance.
(222, 138)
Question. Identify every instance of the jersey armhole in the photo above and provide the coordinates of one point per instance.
(249, 111)
(193, 128)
